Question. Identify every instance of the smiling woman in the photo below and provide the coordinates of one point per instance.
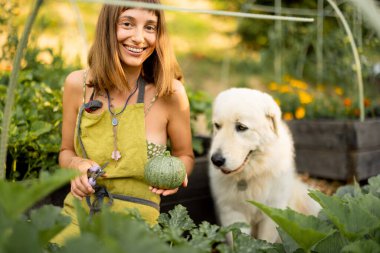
(128, 103)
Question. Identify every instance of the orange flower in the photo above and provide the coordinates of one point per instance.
(338, 91)
(273, 86)
(284, 89)
(287, 116)
(347, 102)
(298, 84)
(367, 102)
(304, 97)
(300, 113)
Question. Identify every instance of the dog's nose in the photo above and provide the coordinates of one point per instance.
(217, 159)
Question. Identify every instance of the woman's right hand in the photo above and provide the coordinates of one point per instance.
(80, 187)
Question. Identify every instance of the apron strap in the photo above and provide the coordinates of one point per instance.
(79, 132)
(101, 192)
(141, 82)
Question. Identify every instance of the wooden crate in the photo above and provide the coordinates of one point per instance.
(337, 149)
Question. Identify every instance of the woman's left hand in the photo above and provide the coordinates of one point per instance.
(165, 192)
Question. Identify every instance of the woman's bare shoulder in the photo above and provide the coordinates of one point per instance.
(73, 86)
(74, 80)
(178, 99)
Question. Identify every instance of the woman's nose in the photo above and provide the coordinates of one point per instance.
(138, 35)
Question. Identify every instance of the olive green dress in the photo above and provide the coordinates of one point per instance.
(125, 177)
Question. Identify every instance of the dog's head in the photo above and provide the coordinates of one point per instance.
(245, 122)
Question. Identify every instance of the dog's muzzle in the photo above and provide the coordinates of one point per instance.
(218, 160)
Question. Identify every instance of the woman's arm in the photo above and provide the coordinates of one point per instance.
(179, 131)
(72, 100)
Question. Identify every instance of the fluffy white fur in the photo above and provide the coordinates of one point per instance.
(252, 143)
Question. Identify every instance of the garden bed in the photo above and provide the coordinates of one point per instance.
(337, 149)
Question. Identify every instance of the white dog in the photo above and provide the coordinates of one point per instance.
(252, 158)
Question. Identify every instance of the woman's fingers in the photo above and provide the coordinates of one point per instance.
(184, 184)
(169, 192)
(80, 186)
(163, 191)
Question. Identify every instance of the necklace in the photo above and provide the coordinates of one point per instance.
(115, 122)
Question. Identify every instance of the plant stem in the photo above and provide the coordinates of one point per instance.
(356, 58)
(12, 86)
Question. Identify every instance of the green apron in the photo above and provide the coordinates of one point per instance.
(125, 177)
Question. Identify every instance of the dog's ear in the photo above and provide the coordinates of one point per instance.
(273, 114)
(273, 122)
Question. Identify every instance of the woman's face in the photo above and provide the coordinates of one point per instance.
(136, 35)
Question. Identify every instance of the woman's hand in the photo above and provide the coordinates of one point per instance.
(165, 192)
(80, 187)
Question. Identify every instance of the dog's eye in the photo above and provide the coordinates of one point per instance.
(240, 127)
(217, 126)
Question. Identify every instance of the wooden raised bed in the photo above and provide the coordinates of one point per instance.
(337, 149)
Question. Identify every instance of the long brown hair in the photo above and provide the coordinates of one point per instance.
(106, 67)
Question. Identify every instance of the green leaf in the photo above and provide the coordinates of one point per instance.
(373, 186)
(288, 243)
(48, 221)
(244, 243)
(17, 197)
(113, 232)
(354, 216)
(350, 190)
(85, 243)
(39, 127)
(331, 244)
(175, 224)
(305, 230)
(362, 246)
(21, 238)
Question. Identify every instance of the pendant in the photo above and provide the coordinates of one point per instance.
(242, 185)
(114, 121)
(116, 155)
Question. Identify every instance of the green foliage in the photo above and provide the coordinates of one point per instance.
(348, 222)
(294, 224)
(200, 105)
(34, 133)
(19, 233)
(342, 226)
(18, 197)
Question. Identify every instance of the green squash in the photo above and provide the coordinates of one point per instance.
(165, 172)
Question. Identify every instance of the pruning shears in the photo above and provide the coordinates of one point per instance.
(94, 172)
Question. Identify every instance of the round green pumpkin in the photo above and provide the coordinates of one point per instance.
(165, 172)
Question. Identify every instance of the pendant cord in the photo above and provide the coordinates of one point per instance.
(126, 102)
(116, 155)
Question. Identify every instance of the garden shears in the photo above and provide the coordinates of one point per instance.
(94, 172)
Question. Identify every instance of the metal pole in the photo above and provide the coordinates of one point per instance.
(356, 58)
(12, 86)
(278, 43)
(319, 48)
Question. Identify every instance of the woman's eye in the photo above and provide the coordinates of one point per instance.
(151, 28)
(241, 127)
(127, 24)
(217, 126)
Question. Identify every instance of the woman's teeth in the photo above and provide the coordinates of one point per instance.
(135, 50)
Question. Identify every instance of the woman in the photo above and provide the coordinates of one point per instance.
(122, 111)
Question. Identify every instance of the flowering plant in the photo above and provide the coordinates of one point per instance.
(300, 100)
